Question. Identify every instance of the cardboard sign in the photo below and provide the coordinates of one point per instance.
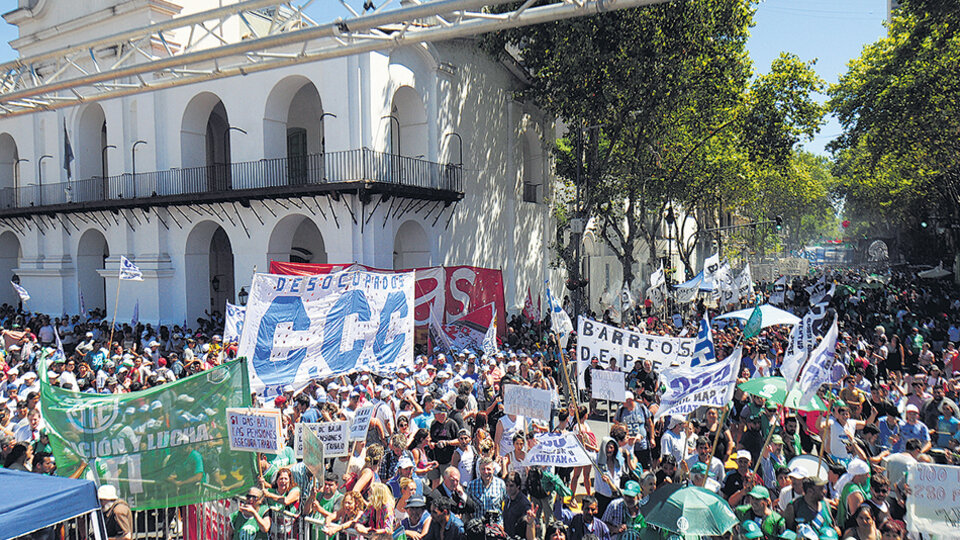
(333, 435)
(255, 430)
(527, 402)
(608, 385)
(361, 423)
(312, 452)
(933, 505)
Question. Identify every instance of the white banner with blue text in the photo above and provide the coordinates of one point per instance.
(300, 328)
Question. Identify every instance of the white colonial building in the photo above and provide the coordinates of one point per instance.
(410, 156)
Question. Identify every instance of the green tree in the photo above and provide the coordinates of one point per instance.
(899, 104)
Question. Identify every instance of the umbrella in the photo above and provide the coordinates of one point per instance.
(689, 511)
(775, 390)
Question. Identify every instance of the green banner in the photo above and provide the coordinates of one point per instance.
(162, 447)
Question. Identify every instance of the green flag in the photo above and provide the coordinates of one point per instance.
(754, 324)
(162, 447)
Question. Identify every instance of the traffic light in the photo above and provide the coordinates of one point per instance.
(779, 221)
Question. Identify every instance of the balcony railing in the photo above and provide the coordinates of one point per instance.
(349, 166)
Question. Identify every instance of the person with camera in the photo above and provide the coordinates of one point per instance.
(444, 524)
(251, 521)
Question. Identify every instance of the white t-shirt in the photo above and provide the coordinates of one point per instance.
(838, 447)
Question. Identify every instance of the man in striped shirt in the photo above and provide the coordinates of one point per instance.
(488, 491)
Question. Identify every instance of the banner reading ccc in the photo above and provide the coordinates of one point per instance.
(300, 328)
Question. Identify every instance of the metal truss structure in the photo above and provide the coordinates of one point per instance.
(252, 36)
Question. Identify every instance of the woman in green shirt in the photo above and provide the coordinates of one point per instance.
(250, 522)
(282, 498)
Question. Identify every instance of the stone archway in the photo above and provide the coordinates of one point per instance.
(92, 253)
(209, 270)
(297, 238)
(9, 262)
(411, 247)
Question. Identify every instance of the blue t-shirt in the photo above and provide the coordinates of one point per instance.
(946, 429)
(915, 431)
(423, 421)
(886, 432)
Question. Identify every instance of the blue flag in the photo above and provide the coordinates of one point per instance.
(703, 350)
(67, 151)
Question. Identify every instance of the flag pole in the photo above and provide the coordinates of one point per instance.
(113, 323)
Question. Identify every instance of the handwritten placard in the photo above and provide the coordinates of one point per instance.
(361, 423)
(255, 430)
(528, 402)
(333, 435)
(933, 505)
(609, 385)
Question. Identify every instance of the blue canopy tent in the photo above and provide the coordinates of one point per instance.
(697, 281)
(35, 501)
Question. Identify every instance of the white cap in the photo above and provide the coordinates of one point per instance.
(629, 395)
(797, 473)
(911, 408)
(744, 454)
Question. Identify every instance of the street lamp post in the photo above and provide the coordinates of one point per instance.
(133, 164)
(16, 192)
(459, 146)
(103, 159)
(226, 151)
(40, 176)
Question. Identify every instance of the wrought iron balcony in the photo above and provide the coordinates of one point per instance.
(350, 171)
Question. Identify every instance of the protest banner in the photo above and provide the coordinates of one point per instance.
(334, 436)
(255, 430)
(443, 293)
(608, 385)
(299, 329)
(233, 323)
(556, 449)
(361, 423)
(707, 385)
(626, 347)
(933, 503)
(162, 447)
(527, 402)
(312, 452)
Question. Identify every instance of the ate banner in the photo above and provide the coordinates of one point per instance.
(300, 328)
(163, 447)
(450, 292)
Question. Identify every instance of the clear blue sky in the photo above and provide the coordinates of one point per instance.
(830, 31)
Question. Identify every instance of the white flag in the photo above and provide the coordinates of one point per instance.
(559, 320)
(129, 271)
(687, 294)
(658, 278)
(233, 323)
(710, 267)
(626, 299)
(745, 282)
(779, 293)
(689, 389)
(490, 337)
(21, 292)
(819, 367)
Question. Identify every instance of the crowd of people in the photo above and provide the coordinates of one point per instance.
(443, 461)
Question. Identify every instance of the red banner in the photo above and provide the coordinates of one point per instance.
(449, 292)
